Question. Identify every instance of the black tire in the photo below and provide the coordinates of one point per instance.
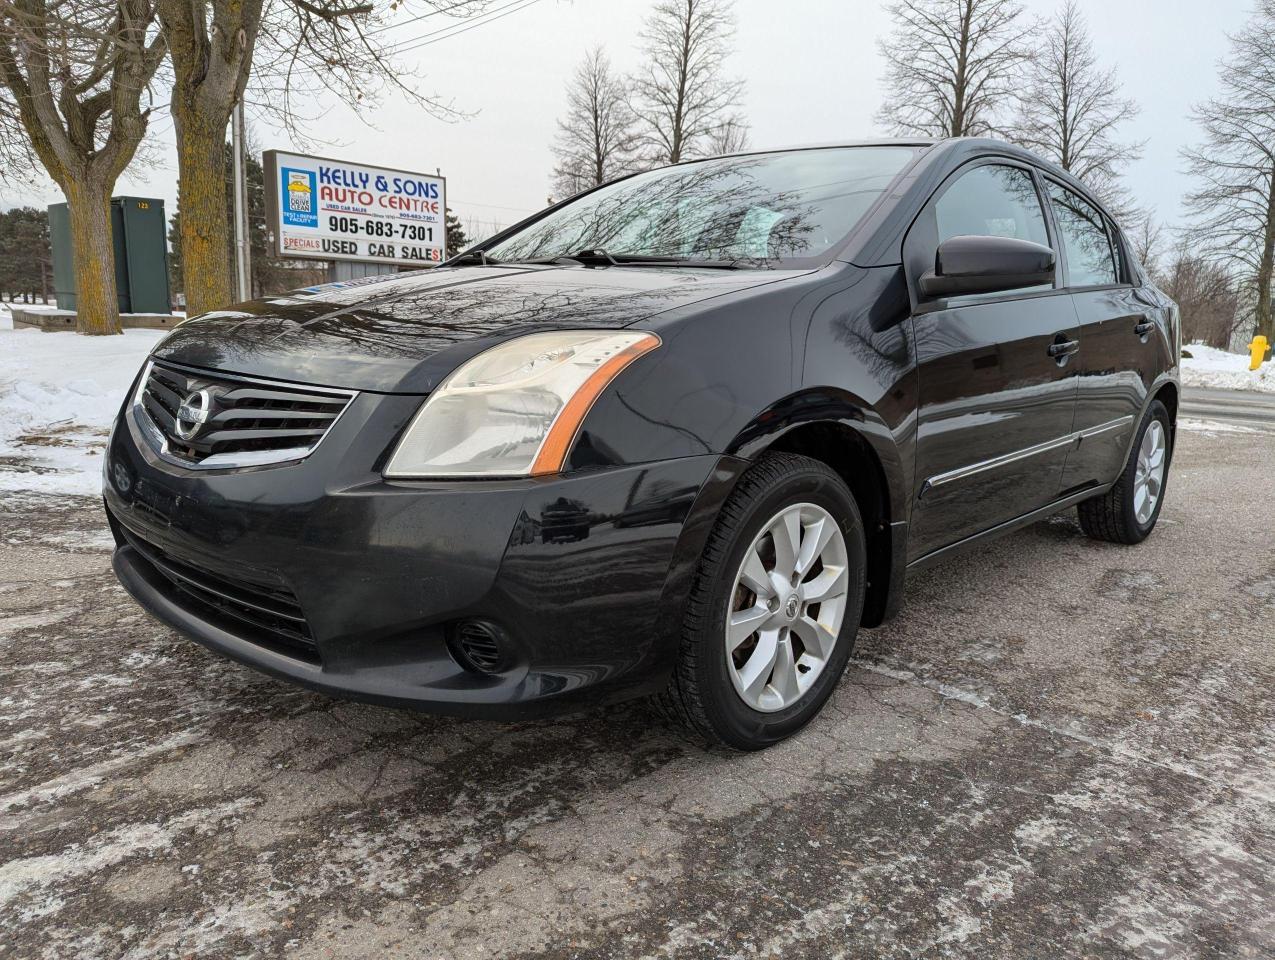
(700, 694)
(1112, 517)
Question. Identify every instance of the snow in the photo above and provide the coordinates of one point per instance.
(59, 393)
(1211, 428)
(1222, 370)
(51, 308)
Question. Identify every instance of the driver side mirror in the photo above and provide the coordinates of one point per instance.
(987, 265)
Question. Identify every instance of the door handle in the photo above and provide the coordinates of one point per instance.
(1144, 327)
(1063, 348)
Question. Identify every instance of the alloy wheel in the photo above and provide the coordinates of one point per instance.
(787, 607)
(1148, 476)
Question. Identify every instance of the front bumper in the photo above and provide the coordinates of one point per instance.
(585, 575)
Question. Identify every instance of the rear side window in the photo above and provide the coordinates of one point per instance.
(992, 201)
(1090, 260)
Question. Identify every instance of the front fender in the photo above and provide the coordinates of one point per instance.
(840, 409)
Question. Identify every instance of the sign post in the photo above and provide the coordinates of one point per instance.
(321, 209)
(243, 251)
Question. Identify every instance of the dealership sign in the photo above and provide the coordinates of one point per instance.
(331, 210)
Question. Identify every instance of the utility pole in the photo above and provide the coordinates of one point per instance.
(243, 251)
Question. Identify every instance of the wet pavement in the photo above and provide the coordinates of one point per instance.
(1060, 749)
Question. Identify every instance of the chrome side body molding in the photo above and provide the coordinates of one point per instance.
(1072, 439)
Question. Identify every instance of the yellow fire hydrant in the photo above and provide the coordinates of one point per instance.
(1258, 350)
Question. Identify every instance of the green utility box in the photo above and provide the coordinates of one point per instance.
(139, 234)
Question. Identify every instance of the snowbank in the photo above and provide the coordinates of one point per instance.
(58, 395)
(1210, 367)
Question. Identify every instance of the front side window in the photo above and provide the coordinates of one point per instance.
(1090, 261)
(992, 201)
(762, 208)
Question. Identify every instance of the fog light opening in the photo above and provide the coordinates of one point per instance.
(477, 645)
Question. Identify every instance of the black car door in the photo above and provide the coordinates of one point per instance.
(1120, 343)
(997, 385)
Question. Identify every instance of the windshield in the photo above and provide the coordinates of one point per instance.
(764, 207)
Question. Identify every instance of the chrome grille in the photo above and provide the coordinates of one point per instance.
(203, 419)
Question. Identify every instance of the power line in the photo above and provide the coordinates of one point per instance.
(419, 17)
(434, 36)
(456, 29)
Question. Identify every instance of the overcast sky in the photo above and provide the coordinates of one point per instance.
(812, 72)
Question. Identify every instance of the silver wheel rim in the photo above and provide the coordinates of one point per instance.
(786, 607)
(1148, 475)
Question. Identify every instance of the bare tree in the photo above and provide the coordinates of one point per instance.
(1206, 296)
(1071, 108)
(952, 66)
(684, 97)
(730, 137)
(17, 160)
(1146, 233)
(598, 138)
(279, 54)
(1233, 208)
(73, 74)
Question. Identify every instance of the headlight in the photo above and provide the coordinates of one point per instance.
(514, 410)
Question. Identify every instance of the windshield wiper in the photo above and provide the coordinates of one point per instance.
(585, 258)
(593, 257)
(478, 256)
(598, 257)
(739, 263)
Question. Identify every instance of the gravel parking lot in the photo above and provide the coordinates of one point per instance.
(1060, 749)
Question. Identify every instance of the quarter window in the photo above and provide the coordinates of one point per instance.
(1090, 261)
(992, 201)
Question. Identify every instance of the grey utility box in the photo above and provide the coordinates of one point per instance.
(139, 235)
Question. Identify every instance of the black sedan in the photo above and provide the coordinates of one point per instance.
(682, 435)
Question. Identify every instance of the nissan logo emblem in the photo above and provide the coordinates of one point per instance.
(193, 414)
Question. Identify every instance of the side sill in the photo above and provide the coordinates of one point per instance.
(1009, 526)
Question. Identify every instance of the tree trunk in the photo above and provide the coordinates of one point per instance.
(206, 266)
(960, 81)
(98, 307)
(1266, 273)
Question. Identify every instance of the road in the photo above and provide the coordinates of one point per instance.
(1061, 748)
(1235, 406)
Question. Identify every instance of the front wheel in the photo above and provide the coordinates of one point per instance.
(774, 607)
(1128, 511)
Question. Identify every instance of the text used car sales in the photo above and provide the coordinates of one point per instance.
(332, 210)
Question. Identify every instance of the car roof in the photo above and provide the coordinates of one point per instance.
(962, 147)
(825, 145)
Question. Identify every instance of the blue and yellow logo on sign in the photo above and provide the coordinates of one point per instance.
(298, 200)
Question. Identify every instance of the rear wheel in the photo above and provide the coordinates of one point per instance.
(1127, 513)
(774, 608)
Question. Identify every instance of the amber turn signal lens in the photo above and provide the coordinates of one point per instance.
(553, 453)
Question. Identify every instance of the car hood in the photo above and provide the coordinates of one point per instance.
(402, 334)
